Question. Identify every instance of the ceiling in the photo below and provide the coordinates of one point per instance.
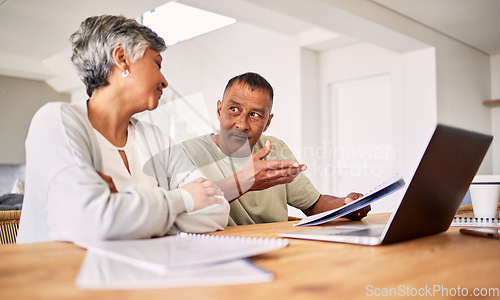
(39, 29)
(33, 31)
(473, 22)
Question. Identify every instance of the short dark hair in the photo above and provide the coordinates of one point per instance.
(253, 81)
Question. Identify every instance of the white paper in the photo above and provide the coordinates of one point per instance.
(386, 188)
(162, 254)
(102, 272)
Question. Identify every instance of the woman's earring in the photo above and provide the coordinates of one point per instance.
(125, 73)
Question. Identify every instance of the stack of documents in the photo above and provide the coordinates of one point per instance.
(173, 261)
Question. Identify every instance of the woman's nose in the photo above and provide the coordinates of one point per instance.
(164, 82)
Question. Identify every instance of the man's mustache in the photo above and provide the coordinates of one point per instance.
(237, 133)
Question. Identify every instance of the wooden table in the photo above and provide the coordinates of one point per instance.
(303, 270)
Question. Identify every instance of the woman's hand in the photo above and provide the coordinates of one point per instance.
(109, 181)
(204, 193)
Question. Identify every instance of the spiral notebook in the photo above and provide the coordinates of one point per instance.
(165, 254)
(475, 222)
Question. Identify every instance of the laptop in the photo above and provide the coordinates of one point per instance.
(432, 198)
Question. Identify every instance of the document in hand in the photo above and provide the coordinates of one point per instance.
(162, 255)
(386, 188)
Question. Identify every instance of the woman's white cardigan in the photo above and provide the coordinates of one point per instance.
(66, 200)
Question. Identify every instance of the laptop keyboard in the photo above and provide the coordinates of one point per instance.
(375, 231)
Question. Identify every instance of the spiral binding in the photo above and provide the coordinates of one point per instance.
(475, 222)
(258, 240)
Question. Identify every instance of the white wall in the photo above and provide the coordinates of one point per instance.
(310, 104)
(413, 88)
(206, 63)
(19, 100)
(419, 110)
(79, 95)
(495, 76)
(413, 102)
(311, 107)
(463, 80)
(495, 111)
(463, 73)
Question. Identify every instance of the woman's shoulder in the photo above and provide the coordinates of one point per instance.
(52, 109)
(49, 108)
(48, 114)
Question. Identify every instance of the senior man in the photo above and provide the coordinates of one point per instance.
(258, 174)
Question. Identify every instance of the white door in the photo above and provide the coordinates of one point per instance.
(362, 135)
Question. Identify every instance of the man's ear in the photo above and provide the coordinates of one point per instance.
(120, 58)
(268, 122)
(219, 108)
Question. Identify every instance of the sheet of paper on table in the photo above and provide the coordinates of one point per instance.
(100, 272)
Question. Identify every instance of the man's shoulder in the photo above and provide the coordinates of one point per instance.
(279, 150)
(204, 141)
(200, 149)
(275, 142)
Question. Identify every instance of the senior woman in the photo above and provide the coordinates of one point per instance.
(84, 161)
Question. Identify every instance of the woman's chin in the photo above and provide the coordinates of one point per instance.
(153, 106)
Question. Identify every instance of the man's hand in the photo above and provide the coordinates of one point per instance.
(259, 174)
(359, 214)
(109, 181)
(204, 192)
(327, 202)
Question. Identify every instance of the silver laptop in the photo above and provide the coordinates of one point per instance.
(434, 194)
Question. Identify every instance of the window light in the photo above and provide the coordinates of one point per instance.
(176, 22)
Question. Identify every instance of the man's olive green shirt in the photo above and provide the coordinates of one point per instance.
(269, 205)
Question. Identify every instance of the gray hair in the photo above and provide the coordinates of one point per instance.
(94, 42)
